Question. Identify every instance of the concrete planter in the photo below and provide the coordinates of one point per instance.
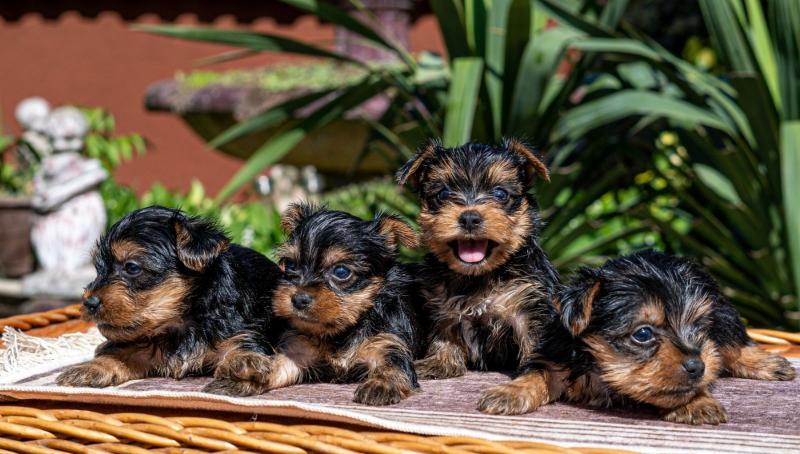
(212, 109)
(334, 148)
(16, 220)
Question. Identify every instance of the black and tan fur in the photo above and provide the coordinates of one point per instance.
(170, 289)
(650, 329)
(486, 282)
(348, 305)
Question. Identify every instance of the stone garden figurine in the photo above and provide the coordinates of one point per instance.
(65, 193)
(32, 114)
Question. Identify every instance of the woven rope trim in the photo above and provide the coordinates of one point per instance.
(24, 429)
(41, 319)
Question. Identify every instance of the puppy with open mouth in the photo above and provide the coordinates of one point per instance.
(487, 283)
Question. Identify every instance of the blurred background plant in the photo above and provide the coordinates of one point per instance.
(505, 71)
(251, 224)
(723, 144)
(654, 141)
(19, 162)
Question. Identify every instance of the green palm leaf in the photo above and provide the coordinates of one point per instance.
(329, 12)
(284, 141)
(616, 106)
(262, 42)
(462, 100)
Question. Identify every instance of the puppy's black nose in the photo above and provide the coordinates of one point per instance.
(301, 300)
(694, 368)
(92, 303)
(470, 220)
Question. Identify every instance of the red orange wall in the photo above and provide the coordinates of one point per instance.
(100, 61)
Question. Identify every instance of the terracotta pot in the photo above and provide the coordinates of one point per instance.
(16, 221)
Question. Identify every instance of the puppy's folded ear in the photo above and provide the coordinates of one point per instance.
(534, 166)
(396, 231)
(198, 241)
(575, 303)
(410, 170)
(294, 214)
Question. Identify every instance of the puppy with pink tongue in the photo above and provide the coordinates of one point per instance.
(473, 251)
(487, 283)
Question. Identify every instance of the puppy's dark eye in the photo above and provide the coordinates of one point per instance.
(341, 272)
(643, 335)
(500, 194)
(132, 268)
(443, 195)
(288, 265)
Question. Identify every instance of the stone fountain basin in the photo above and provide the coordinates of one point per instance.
(212, 109)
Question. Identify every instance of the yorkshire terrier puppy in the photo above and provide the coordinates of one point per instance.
(348, 304)
(652, 329)
(172, 296)
(486, 283)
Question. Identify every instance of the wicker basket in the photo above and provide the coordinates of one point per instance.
(28, 429)
(31, 427)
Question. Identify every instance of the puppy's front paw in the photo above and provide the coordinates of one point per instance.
(92, 375)
(509, 399)
(703, 410)
(230, 387)
(754, 363)
(381, 392)
(436, 368)
(780, 369)
(244, 366)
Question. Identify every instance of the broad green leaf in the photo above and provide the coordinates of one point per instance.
(608, 109)
(262, 42)
(475, 16)
(283, 142)
(462, 100)
(785, 28)
(762, 48)
(616, 45)
(790, 166)
(637, 74)
(450, 16)
(613, 13)
(717, 182)
(727, 34)
(761, 117)
(520, 29)
(539, 66)
(496, 33)
(731, 161)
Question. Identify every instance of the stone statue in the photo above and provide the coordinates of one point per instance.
(72, 215)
